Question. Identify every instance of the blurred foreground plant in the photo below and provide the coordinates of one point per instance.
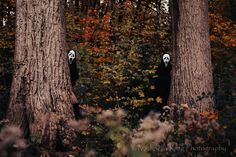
(195, 133)
(12, 142)
(134, 142)
(179, 131)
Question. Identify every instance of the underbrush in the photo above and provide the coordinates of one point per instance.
(178, 131)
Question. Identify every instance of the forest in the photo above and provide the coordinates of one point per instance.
(117, 78)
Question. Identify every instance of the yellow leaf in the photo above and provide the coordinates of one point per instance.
(155, 76)
(141, 94)
(159, 99)
(150, 99)
(106, 82)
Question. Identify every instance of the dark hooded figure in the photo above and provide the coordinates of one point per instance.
(73, 77)
(163, 81)
(162, 88)
(73, 67)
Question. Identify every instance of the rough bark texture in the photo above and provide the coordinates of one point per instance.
(191, 58)
(41, 94)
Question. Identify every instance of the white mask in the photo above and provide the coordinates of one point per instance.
(71, 56)
(166, 59)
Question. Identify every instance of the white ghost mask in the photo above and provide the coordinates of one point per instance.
(166, 59)
(71, 56)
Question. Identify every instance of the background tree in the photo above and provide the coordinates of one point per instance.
(7, 44)
(223, 47)
(192, 80)
(41, 94)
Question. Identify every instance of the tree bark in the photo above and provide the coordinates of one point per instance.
(191, 58)
(41, 93)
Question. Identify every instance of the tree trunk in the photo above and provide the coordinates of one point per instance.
(192, 67)
(41, 93)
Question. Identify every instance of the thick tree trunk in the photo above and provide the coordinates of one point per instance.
(41, 93)
(192, 67)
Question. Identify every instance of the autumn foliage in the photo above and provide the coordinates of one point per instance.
(118, 46)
